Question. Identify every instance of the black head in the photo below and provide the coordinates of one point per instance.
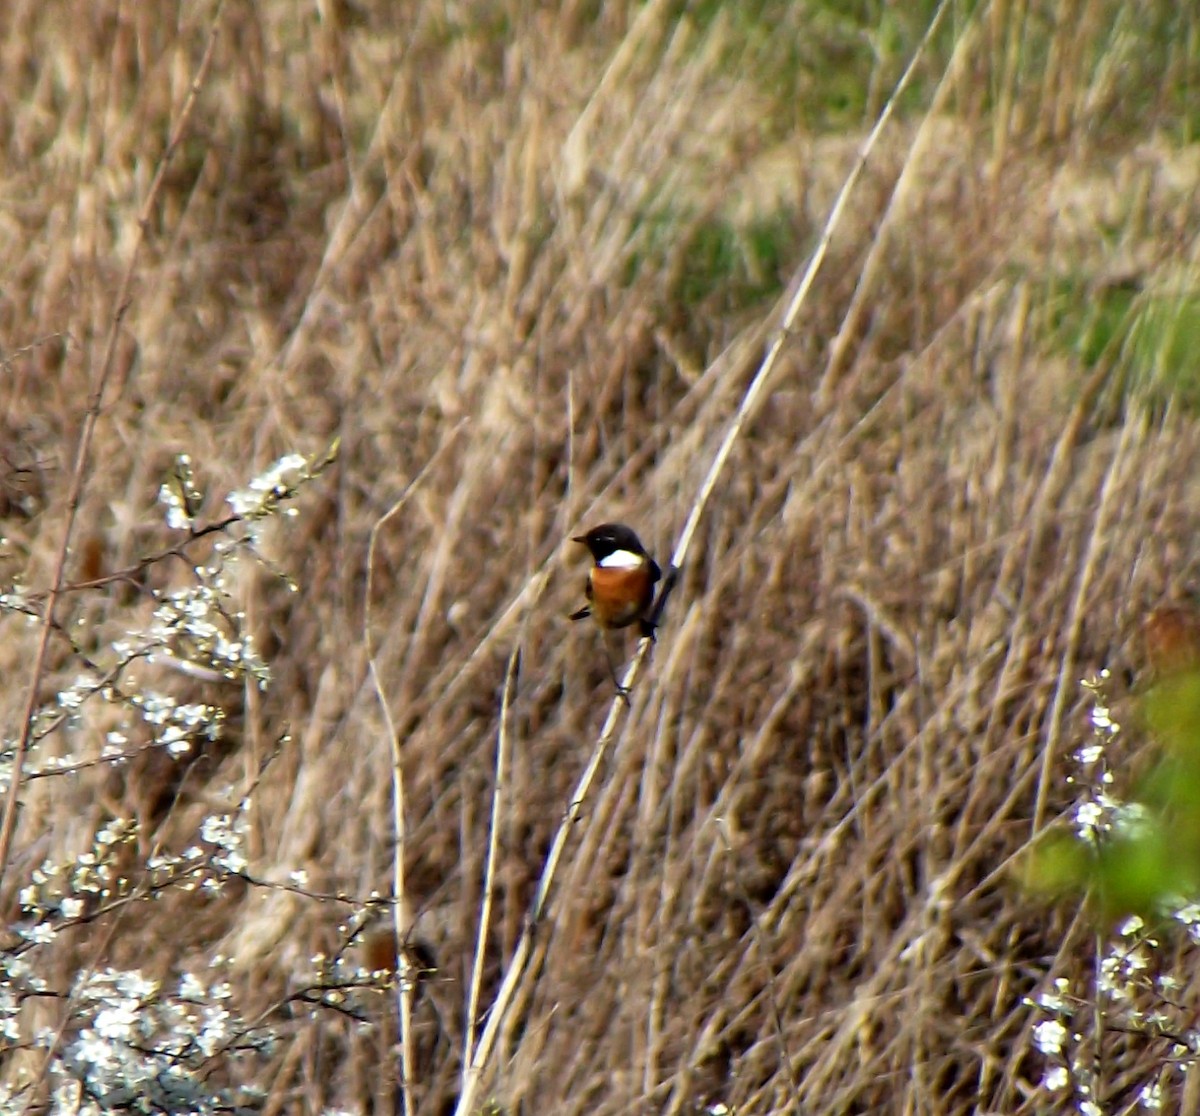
(608, 538)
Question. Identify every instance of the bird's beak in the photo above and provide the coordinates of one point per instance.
(579, 539)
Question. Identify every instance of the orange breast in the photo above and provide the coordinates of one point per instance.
(620, 596)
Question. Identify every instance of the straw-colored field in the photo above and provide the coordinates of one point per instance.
(519, 264)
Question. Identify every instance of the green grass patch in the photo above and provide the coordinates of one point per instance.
(1152, 337)
(714, 262)
(744, 266)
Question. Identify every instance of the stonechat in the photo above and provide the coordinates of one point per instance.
(620, 584)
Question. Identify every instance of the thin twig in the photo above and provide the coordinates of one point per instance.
(132, 573)
(90, 418)
(406, 981)
(470, 1074)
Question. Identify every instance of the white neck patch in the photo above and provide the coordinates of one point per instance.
(621, 560)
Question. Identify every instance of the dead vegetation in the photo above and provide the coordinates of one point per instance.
(540, 251)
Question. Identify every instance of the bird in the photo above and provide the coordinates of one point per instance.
(620, 584)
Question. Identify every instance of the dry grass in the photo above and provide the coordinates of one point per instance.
(542, 249)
